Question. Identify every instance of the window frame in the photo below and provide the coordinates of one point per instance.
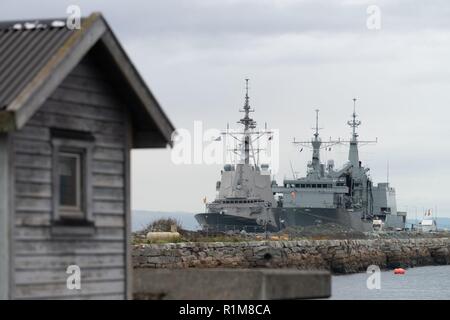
(78, 207)
(65, 144)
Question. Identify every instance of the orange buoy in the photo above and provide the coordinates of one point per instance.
(399, 271)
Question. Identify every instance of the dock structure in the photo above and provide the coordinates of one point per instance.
(230, 284)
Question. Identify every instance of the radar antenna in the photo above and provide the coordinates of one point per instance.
(320, 144)
(316, 144)
(354, 123)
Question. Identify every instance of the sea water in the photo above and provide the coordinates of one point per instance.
(417, 283)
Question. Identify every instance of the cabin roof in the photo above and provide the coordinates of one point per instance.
(36, 55)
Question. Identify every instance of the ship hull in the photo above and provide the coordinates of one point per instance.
(303, 217)
(226, 222)
(286, 217)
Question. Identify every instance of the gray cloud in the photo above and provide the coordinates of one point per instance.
(250, 17)
(300, 55)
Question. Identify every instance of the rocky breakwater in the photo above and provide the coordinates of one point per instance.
(338, 256)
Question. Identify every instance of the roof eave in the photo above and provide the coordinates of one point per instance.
(55, 70)
(93, 29)
(7, 121)
(148, 100)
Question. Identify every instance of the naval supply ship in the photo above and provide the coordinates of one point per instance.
(324, 195)
(346, 196)
(244, 199)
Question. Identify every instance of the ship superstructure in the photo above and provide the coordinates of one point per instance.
(377, 202)
(322, 187)
(428, 223)
(360, 183)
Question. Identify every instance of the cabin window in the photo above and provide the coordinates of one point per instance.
(71, 162)
(69, 176)
(302, 186)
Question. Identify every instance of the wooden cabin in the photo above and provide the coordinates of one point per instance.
(72, 106)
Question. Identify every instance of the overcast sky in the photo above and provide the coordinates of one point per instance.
(299, 55)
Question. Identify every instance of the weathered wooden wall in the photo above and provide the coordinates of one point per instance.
(84, 101)
(5, 217)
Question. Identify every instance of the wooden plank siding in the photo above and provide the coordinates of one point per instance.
(5, 217)
(84, 101)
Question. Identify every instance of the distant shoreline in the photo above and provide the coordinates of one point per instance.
(141, 218)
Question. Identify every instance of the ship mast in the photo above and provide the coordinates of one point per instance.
(247, 137)
(249, 124)
(317, 145)
(353, 155)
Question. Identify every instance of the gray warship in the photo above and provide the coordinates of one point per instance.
(346, 196)
(326, 195)
(244, 199)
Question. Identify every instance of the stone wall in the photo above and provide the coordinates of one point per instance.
(338, 256)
